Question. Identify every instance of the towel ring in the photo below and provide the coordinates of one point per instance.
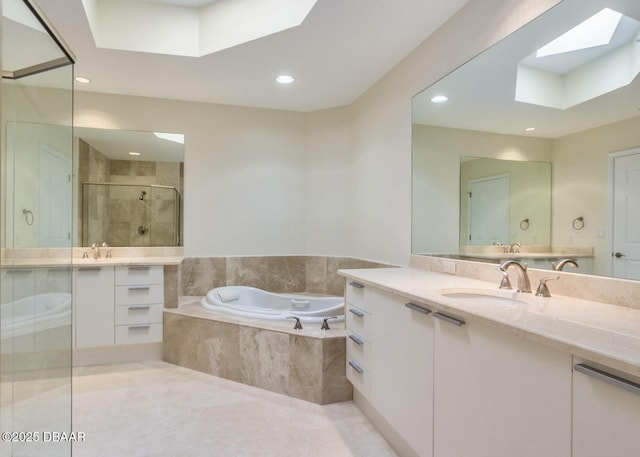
(578, 223)
(28, 215)
(524, 224)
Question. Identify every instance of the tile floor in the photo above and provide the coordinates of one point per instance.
(159, 409)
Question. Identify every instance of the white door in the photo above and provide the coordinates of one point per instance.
(626, 216)
(489, 210)
(55, 198)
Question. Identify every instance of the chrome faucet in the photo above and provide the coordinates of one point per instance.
(560, 265)
(523, 279)
(95, 247)
(514, 248)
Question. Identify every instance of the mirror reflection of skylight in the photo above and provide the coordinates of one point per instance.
(175, 137)
(595, 31)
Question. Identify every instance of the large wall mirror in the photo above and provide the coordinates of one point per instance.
(127, 187)
(530, 149)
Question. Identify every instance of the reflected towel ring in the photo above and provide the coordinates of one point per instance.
(28, 215)
(524, 224)
(578, 223)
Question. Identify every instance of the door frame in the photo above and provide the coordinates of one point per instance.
(471, 181)
(610, 200)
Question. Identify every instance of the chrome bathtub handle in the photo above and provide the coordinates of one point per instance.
(325, 324)
(297, 325)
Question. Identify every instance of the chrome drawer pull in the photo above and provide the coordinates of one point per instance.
(356, 367)
(418, 308)
(89, 268)
(18, 271)
(139, 288)
(449, 319)
(139, 307)
(608, 378)
(356, 312)
(139, 267)
(139, 327)
(357, 285)
(356, 339)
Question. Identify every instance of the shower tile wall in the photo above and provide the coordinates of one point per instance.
(117, 213)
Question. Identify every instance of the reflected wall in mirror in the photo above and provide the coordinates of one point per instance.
(504, 202)
(129, 187)
(576, 109)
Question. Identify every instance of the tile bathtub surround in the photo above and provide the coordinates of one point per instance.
(299, 366)
(621, 292)
(282, 274)
(163, 410)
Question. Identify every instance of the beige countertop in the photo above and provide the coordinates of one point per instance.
(79, 262)
(603, 333)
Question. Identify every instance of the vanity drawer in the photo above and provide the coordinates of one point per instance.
(358, 349)
(356, 294)
(139, 314)
(138, 333)
(139, 294)
(359, 377)
(140, 274)
(358, 321)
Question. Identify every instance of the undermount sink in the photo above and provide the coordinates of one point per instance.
(481, 296)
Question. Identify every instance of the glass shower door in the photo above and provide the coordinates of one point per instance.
(35, 233)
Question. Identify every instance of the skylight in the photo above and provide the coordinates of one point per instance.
(595, 31)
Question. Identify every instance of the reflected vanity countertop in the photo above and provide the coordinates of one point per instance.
(522, 255)
(79, 262)
(604, 333)
(125, 261)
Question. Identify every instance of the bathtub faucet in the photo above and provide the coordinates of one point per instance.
(325, 324)
(297, 325)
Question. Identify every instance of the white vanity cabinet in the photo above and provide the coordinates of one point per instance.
(403, 365)
(93, 290)
(359, 328)
(118, 305)
(498, 395)
(606, 412)
(139, 304)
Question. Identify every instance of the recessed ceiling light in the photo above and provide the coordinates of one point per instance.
(285, 79)
(82, 80)
(134, 153)
(439, 99)
(529, 129)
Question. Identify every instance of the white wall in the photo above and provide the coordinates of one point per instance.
(580, 185)
(257, 181)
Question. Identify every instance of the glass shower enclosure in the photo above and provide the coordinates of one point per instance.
(35, 235)
(130, 215)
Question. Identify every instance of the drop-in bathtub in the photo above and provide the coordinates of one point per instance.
(260, 304)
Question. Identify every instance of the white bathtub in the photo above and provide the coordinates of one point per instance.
(257, 303)
(34, 314)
